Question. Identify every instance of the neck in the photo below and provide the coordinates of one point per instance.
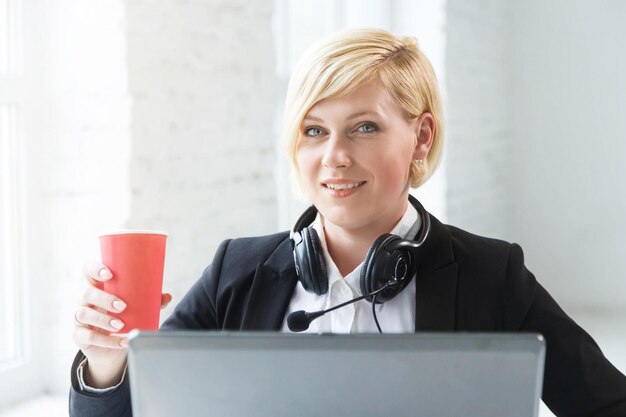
(348, 246)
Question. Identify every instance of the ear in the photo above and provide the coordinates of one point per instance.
(424, 133)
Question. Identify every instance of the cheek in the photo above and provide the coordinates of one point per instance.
(394, 168)
(305, 164)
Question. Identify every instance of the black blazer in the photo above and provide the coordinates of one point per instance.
(464, 283)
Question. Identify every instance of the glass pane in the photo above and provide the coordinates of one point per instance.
(10, 40)
(4, 37)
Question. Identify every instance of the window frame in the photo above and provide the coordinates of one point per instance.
(11, 299)
(23, 370)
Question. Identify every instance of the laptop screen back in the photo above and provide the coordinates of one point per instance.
(277, 374)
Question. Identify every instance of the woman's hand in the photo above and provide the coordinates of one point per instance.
(106, 354)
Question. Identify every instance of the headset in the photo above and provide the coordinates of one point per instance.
(389, 266)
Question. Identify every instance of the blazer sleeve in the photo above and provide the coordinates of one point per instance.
(196, 311)
(578, 379)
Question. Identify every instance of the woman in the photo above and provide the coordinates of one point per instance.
(363, 125)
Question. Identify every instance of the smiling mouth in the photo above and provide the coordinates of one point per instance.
(344, 186)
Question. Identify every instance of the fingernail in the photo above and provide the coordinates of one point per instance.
(123, 342)
(105, 274)
(119, 305)
(117, 323)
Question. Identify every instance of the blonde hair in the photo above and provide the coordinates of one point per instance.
(340, 63)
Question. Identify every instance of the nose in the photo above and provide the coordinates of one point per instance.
(336, 153)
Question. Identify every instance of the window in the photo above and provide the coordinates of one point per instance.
(9, 241)
(11, 105)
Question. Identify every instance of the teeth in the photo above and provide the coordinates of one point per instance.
(343, 186)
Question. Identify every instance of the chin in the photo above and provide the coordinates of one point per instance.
(343, 216)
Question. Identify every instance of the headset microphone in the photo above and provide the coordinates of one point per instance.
(299, 321)
(390, 257)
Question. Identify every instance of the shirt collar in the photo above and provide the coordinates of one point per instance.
(409, 224)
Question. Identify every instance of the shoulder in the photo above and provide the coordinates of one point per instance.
(245, 253)
(261, 245)
(481, 251)
(495, 290)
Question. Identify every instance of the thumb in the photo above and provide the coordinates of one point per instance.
(165, 299)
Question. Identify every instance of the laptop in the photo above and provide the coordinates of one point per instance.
(267, 374)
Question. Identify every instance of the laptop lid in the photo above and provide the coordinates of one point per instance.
(245, 374)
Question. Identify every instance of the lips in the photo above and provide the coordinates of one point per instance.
(344, 186)
(340, 188)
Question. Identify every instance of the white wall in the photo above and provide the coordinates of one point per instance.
(479, 129)
(536, 93)
(426, 20)
(569, 107)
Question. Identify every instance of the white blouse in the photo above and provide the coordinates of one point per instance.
(395, 316)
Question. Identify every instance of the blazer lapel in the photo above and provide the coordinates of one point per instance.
(436, 285)
(271, 291)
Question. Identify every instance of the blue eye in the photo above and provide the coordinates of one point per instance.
(367, 128)
(313, 131)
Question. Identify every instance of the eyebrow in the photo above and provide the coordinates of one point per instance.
(352, 116)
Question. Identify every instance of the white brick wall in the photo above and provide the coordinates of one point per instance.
(201, 75)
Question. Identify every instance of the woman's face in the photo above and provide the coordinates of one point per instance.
(354, 155)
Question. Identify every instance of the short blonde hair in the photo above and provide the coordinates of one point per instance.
(337, 65)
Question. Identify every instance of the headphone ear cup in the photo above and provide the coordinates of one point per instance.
(312, 263)
(373, 259)
(386, 258)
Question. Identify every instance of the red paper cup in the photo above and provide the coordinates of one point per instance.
(136, 259)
